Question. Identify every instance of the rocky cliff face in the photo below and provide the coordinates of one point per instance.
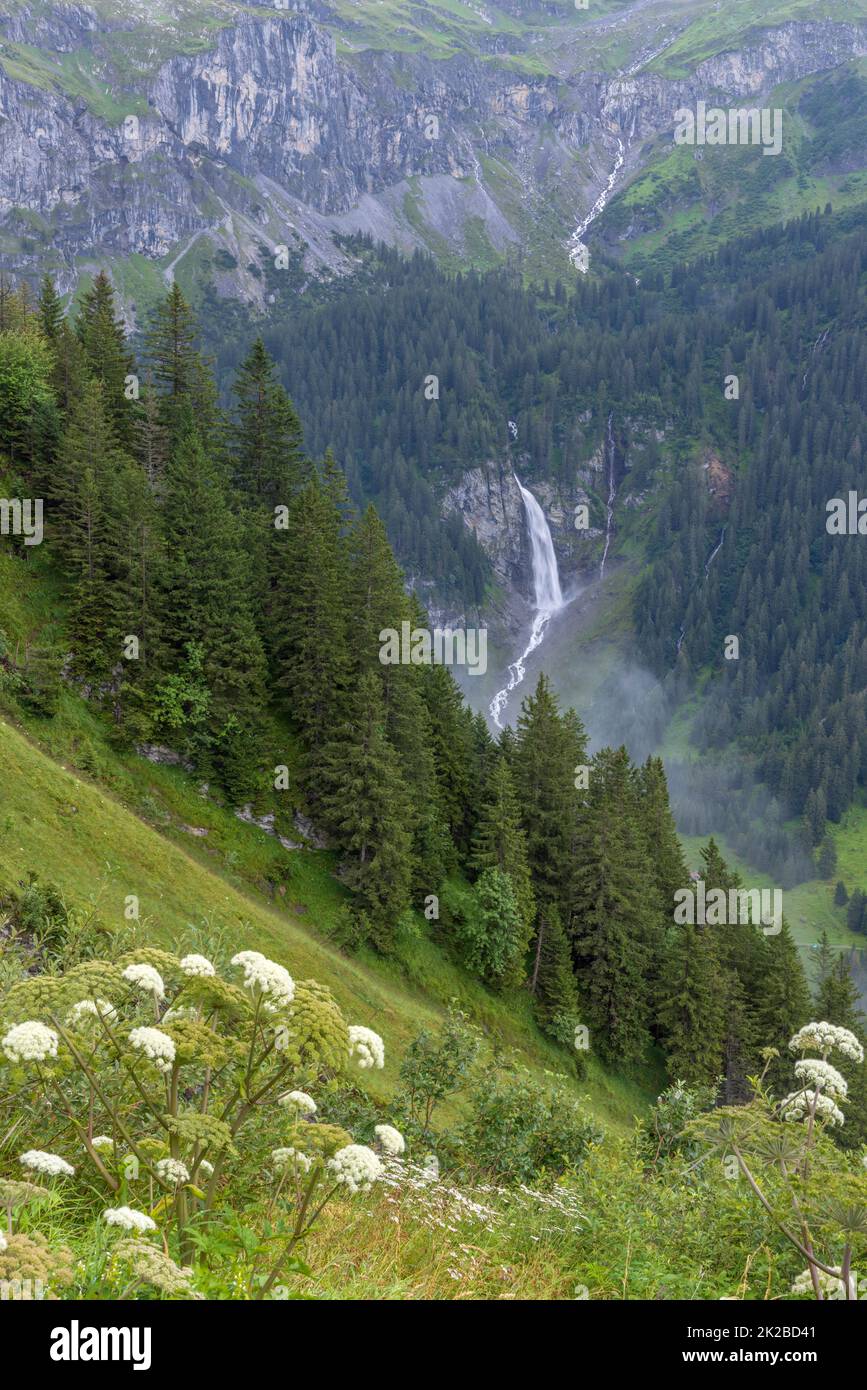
(267, 131)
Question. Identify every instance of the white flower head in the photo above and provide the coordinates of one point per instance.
(825, 1038)
(30, 1042)
(832, 1285)
(145, 978)
(810, 1071)
(3, 1243)
(194, 965)
(171, 1170)
(356, 1167)
(87, 1009)
(205, 1168)
(102, 1143)
(367, 1046)
(51, 1164)
(304, 1104)
(265, 977)
(157, 1046)
(799, 1104)
(129, 1219)
(284, 1158)
(391, 1141)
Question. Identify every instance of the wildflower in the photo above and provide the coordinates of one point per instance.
(2, 1242)
(812, 1072)
(357, 1167)
(129, 1219)
(158, 1047)
(175, 1015)
(145, 978)
(51, 1164)
(171, 1170)
(368, 1046)
(102, 1143)
(197, 965)
(153, 1266)
(30, 1042)
(266, 977)
(304, 1104)
(391, 1140)
(206, 1168)
(831, 1285)
(86, 1009)
(281, 1158)
(799, 1104)
(824, 1038)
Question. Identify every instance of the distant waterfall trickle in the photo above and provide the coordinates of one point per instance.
(612, 493)
(547, 591)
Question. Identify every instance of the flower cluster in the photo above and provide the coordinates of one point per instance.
(367, 1046)
(194, 965)
(30, 1042)
(824, 1038)
(831, 1285)
(356, 1167)
(86, 1009)
(172, 1171)
(391, 1141)
(800, 1104)
(51, 1164)
(282, 1158)
(304, 1104)
(128, 1219)
(145, 978)
(266, 977)
(810, 1071)
(158, 1047)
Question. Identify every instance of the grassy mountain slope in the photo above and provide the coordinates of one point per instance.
(103, 826)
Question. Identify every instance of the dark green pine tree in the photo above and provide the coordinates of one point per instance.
(616, 928)
(666, 855)
(553, 981)
(107, 357)
(783, 1004)
(366, 809)
(308, 620)
(181, 378)
(50, 310)
(204, 589)
(266, 434)
(544, 773)
(690, 1010)
(499, 841)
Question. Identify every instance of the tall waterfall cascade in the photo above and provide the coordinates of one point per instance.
(548, 596)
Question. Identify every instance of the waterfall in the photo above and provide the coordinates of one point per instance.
(612, 493)
(546, 578)
(547, 592)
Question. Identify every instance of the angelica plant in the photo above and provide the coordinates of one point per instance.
(814, 1199)
(159, 1064)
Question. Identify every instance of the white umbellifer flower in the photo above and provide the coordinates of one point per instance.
(51, 1164)
(2, 1242)
(197, 965)
(391, 1140)
(102, 1143)
(158, 1047)
(281, 1158)
(175, 1015)
(206, 1168)
(356, 1167)
(831, 1285)
(304, 1104)
(86, 1009)
(812, 1072)
(266, 977)
(129, 1219)
(798, 1105)
(367, 1045)
(173, 1171)
(824, 1038)
(30, 1042)
(145, 978)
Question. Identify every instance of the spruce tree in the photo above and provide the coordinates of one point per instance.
(499, 841)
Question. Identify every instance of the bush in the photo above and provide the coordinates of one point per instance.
(520, 1131)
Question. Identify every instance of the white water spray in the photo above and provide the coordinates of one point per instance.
(612, 493)
(547, 592)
